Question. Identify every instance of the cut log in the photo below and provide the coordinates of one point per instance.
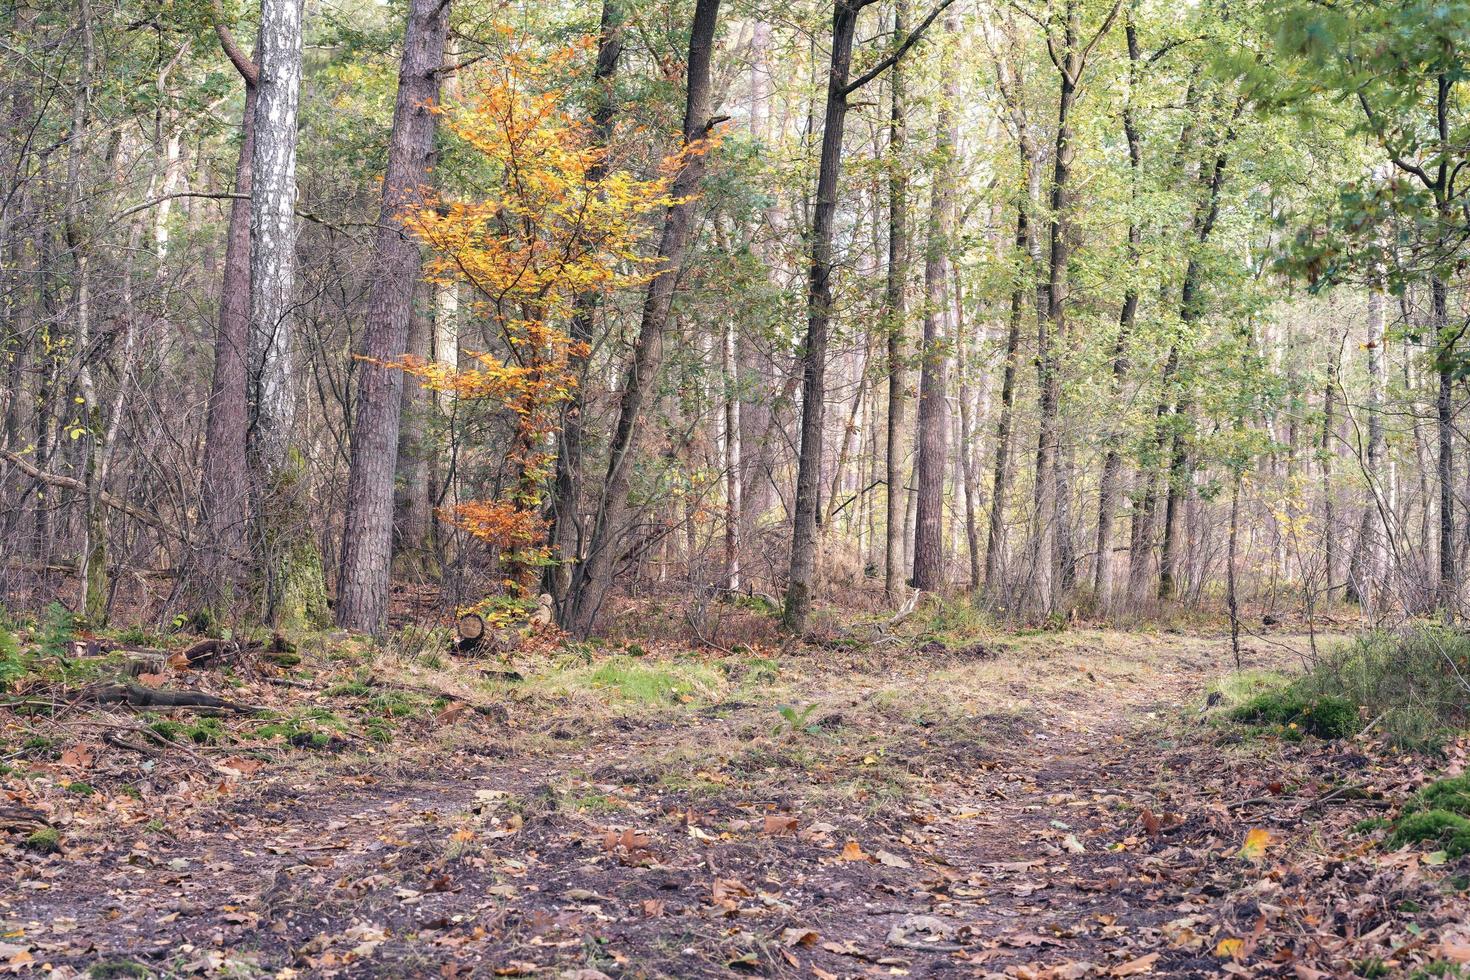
(472, 632)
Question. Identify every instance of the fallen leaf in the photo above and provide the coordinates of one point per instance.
(1230, 947)
(853, 851)
(1256, 842)
(798, 936)
(1143, 964)
(453, 713)
(892, 860)
(780, 823)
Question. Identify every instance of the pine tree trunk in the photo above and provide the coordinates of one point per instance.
(896, 308)
(225, 495)
(933, 421)
(367, 536)
(412, 508)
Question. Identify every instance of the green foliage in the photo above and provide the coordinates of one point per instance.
(1448, 830)
(1294, 713)
(1412, 681)
(118, 970)
(12, 667)
(795, 720)
(58, 632)
(1449, 795)
(652, 683)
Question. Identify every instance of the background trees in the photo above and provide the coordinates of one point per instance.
(1175, 297)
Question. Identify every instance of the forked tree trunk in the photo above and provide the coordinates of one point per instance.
(593, 577)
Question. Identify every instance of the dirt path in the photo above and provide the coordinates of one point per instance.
(966, 822)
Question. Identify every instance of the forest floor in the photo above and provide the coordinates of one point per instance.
(1053, 805)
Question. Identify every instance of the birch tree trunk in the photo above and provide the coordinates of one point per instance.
(288, 565)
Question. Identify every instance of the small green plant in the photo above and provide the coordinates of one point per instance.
(118, 970)
(12, 668)
(58, 632)
(137, 636)
(794, 720)
(81, 789)
(44, 841)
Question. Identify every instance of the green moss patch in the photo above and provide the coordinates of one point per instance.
(1295, 714)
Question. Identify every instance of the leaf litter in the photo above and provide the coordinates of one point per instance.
(1131, 840)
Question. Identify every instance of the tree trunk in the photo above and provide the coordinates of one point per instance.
(289, 567)
(593, 577)
(933, 421)
(566, 530)
(367, 536)
(412, 506)
(1107, 493)
(1445, 462)
(896, 308)
(1327, 450)
(225, 497)
(1180, 473)
(1053, 553)
(1368, 567)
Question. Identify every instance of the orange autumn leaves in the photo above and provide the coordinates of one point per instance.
(554, 222)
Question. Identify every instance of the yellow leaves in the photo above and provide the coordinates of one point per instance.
(1256, 842)
(1229, 948)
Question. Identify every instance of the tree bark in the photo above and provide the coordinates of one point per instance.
(593, 577)
(1180, 472)
(566, 529)
(1107, 494)
(933, 421)
(896, 308)
(412, 507)
(1368, 566)
(367, 536)
(287, 566)
(225, 497)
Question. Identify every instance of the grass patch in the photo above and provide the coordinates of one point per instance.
(1449, 795)
(1414, 685)
(1414, 682)
(1448, 830)
(646, 681)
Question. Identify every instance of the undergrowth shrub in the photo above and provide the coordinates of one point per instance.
(1413, 685)
(1415, 682)
(12, 668)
